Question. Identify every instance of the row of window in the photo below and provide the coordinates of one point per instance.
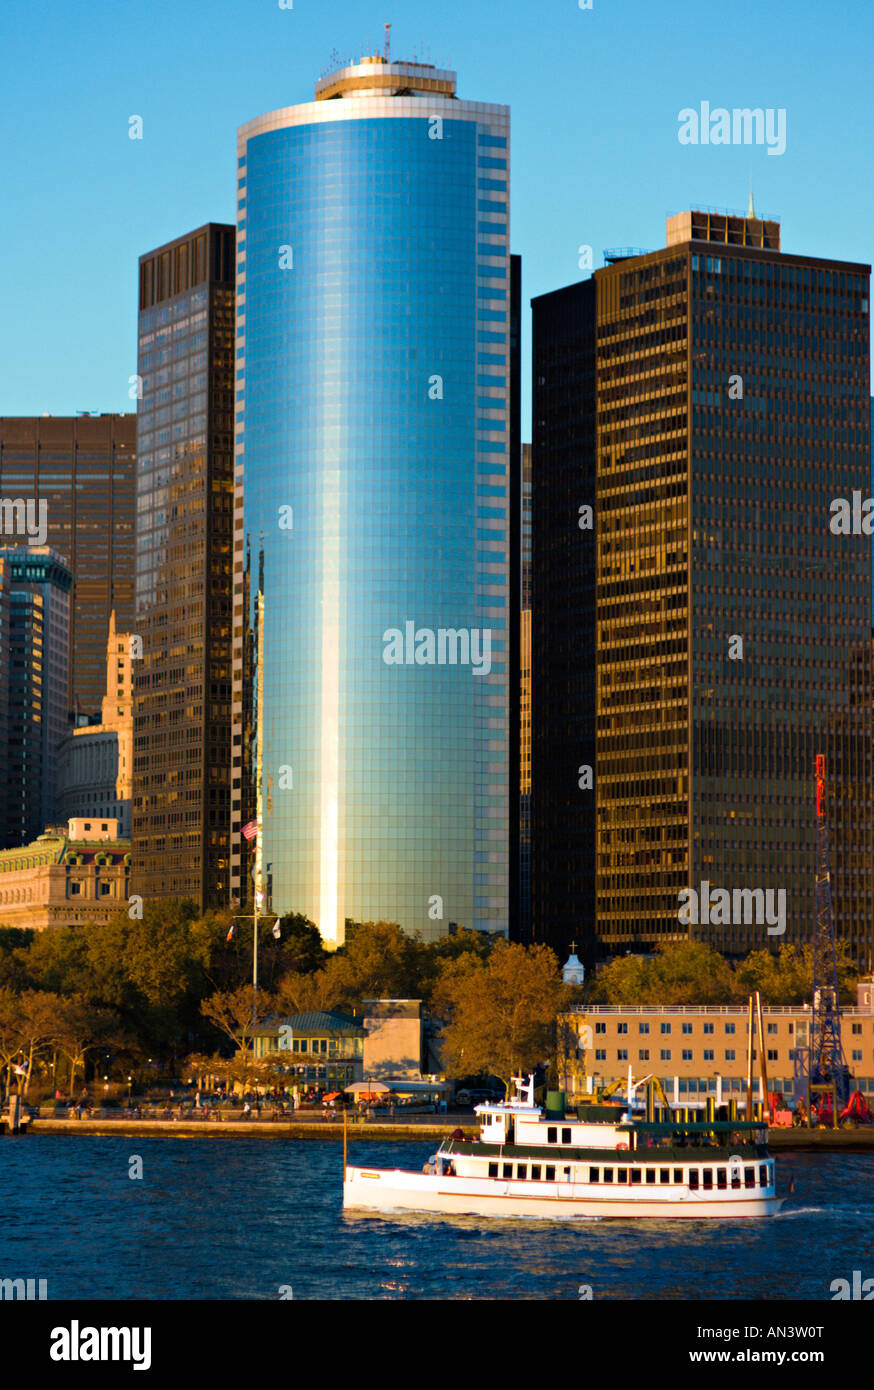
(708, 1054)
(693, 1178)
(601, 1027)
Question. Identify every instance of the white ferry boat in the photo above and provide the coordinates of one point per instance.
(602, 1161)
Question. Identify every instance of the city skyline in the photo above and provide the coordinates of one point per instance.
(670, 68)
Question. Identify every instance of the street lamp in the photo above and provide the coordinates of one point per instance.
(129, 1082)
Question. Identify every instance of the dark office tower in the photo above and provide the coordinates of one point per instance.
(563, 635)
(82, 469)
(39, 585)
(182, 685)
(525, 706)
(732, 616)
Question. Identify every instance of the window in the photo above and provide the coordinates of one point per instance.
(600, 1028)
(687, 1027)
(622, 1054)
(75, 888)
(707, 1179)
(666, 1028)
(722, 1178)
(772, 1028)
(550, 1173)
(678, 1175)
(622, 1175)
(643, 1054)
(552, 1135)
(636, 1175)
(730, 1028)
(763, 1174)
(729, 1054)
(857, 1054)
(600, 1054)
(493, 1170)
(708, 1027)
(535, 1171)
(772, 1054)
(650, 1175)
(665, 1054)
(857, 1029)
(522, 1170)
(693, 1179)
(608, 1174)
(507, 1170)
(566, 1136)
(622, 1028)
(708, 1054)
(735, 1177)
(687, 1054)
(749, 1177)
(594, 1174)
(643, 1027)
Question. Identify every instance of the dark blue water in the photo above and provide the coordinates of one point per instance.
(240, 1218)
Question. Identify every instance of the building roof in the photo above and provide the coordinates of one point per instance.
(319, 1021)
(52, 847)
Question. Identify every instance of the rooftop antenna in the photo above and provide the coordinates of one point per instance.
(752, 209)
(387, 48)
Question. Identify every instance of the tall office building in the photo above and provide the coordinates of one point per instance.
(39, 651)
(378, 481)
(729, 385)
(182, 684)
(95, 761)
(82, 469)
(525, 705)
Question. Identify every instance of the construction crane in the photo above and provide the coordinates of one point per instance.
(827, 1070)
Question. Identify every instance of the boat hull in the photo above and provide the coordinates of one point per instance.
(380, 1189)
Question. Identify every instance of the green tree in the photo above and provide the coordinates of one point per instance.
(502, 1011)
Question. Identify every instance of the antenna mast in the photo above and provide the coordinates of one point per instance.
(387, 46)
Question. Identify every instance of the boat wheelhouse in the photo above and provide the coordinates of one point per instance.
(599, 1161)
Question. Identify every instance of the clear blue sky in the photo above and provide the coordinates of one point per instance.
(594, 95)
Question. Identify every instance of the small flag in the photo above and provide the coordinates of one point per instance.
(231, 929)
(20, 1071)
(276, 932)
(251, 829)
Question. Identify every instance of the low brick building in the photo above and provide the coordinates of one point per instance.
(700, 1050)
(68, 877)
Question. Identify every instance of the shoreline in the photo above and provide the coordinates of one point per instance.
(781, 1140)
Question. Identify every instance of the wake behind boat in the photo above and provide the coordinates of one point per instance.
(600, 1161)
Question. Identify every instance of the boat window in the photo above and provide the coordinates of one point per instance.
(493, 1170)
(707, 1179)
(552, 1135)
(636, 1175)
(678, 1175)
(507, 1171)
(693, 1179)
(749, 1177)
(650, 1175)
(521, 1170)
(722, 1178)
(763, 1174)
(550, 1173)
(735, 1176)
(664, 1175)
(535, 1170)
(594, 1174)
(622, 1175)
(566, 1136)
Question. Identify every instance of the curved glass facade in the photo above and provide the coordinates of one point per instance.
(372, 556)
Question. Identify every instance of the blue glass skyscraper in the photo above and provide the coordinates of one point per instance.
(374, 488)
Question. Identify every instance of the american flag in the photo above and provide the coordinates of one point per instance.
(251, 829)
